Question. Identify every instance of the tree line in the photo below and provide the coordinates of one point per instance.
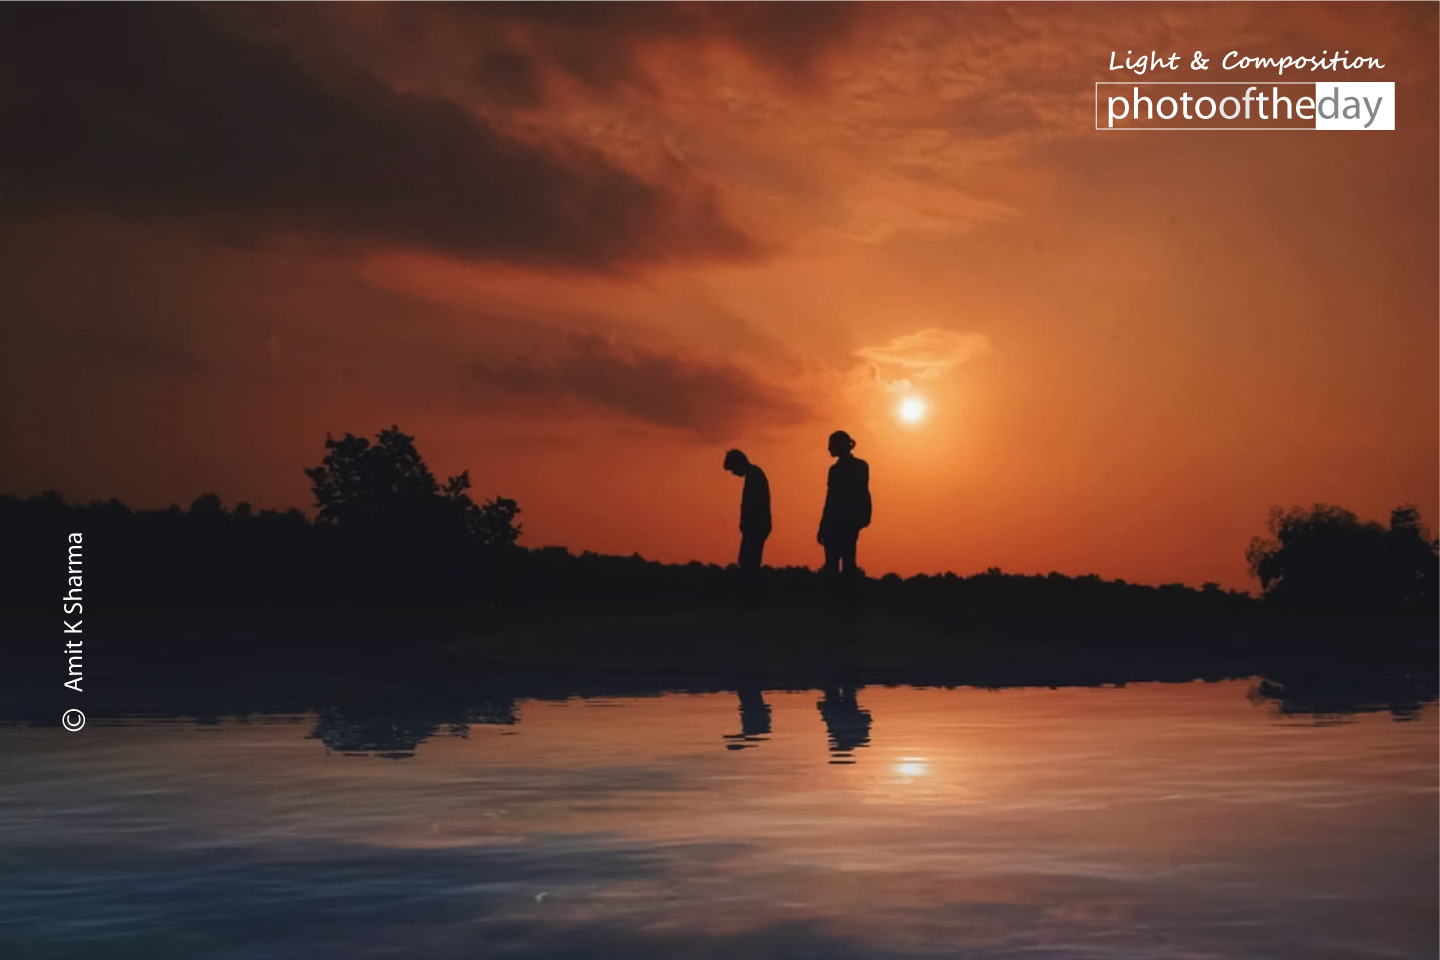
(387, 535)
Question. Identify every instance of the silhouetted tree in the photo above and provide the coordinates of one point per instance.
(1414, 559)
(207, 505)
(1327, 559)
(387, 486)
(492, 523)
(359, 483)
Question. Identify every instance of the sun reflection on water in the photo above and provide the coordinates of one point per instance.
(912, 767)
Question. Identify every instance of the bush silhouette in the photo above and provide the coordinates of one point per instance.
(1327, 559)
(385, 490)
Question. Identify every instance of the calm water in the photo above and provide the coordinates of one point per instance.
(1152, 821)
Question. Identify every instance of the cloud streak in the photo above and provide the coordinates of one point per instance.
(714, 401)
(602, 46)
(927, 354)
(162, 112)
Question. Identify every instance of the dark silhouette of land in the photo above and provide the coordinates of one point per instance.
(407, 586)
(389, 538)
(212, 560)
(1326, 559)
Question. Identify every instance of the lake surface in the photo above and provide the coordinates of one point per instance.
(1149, 821)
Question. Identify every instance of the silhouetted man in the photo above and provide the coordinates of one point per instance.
(754, 509)
(847, 505)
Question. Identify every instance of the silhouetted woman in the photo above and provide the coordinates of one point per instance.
(847, 505)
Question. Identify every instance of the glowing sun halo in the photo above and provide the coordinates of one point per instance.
(912, 410)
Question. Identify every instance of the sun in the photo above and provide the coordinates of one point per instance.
(912, 409)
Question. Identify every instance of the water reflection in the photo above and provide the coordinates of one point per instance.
(395, 730)
(847, 725)
(754, 718)
(1153, 820)
(1325, 699)
(395, 725)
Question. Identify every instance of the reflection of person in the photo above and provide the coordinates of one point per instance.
(754, 717)
(847, 505)
(847, 724)
(754, 509)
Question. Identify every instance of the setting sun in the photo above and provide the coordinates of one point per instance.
(912, 409)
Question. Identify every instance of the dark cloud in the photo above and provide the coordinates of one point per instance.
(160, 111)
(709, 399)
(599, 44)
(791, 37)
(515, 50)
(512, 78)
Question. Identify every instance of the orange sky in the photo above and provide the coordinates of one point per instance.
(583, 251)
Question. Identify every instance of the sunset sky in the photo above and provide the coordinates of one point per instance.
(583, 250)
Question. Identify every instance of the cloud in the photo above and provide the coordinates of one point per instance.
(711, 400)
(601, 45)
(927, 354)
(162, 112)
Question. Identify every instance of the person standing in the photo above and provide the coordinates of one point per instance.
(847, 505)
(754, 509)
